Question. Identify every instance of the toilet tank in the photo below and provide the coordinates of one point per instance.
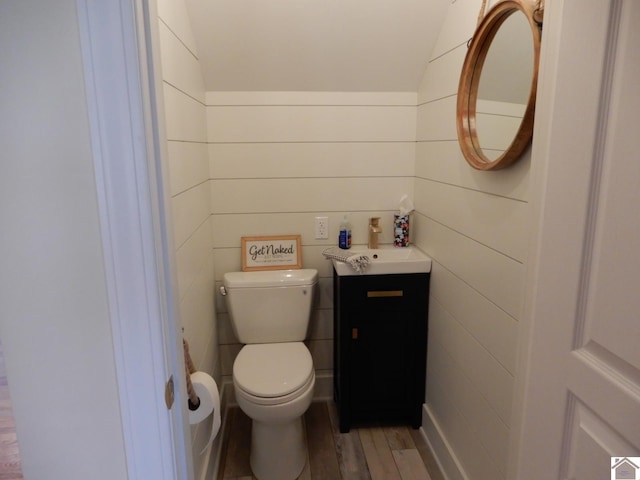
(270, 306)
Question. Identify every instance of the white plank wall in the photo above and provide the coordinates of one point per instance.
(279, 159)
(474, 226)
(188, 159)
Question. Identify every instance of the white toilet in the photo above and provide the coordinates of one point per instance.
(273, 375)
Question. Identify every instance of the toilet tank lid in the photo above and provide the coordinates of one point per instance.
(270, 278)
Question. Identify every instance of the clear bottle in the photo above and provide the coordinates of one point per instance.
(344, 239)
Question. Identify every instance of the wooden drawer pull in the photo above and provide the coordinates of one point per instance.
(385, 293)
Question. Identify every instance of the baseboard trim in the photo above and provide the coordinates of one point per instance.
(323, 391)
(442, 451)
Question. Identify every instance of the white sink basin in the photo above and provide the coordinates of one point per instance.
(386, 260)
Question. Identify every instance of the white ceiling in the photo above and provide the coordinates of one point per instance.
(315, 45)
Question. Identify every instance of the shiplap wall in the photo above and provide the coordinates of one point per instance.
(474, 226)
(188, 161)
(267, 163)
(278, 160)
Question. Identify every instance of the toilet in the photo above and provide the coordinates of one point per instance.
(273, 374)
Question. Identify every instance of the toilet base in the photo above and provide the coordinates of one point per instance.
(278, 442)
(278, 451)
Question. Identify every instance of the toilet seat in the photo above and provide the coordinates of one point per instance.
(273, 373)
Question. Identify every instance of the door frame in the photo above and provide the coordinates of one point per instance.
(123, 90)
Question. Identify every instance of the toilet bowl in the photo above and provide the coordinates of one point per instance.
(274, 385)
(273, 374)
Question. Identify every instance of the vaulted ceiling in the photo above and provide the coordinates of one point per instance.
(315, 45)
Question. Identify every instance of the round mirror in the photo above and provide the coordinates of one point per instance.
(497, 90)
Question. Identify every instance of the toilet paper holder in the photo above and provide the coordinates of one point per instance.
(193, 400)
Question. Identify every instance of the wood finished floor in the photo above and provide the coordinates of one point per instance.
(10, 467)
(367, 453)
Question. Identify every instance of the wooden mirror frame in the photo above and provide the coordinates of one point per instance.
(470, 79)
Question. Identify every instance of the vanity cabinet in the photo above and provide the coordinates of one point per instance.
(380, 348)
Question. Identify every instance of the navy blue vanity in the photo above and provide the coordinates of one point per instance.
(380, 347)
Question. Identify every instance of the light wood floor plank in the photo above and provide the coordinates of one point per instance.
(306, 471)
(322, 450)
(399, 438)
(410, 465)
(353, 464)
(425, 453)
(10, 463)
(378, 454)
(237, 455)
(366, 453)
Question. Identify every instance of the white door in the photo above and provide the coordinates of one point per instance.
(580, 401)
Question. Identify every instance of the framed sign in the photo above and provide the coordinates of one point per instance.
(277, 252)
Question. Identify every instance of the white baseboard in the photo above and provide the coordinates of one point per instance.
(442, 451)
(323, 391)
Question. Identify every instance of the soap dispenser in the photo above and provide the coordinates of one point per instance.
(344, 239)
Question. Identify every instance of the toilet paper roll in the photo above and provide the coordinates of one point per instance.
(207, 391)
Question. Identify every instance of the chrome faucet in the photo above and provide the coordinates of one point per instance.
(374, 230)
